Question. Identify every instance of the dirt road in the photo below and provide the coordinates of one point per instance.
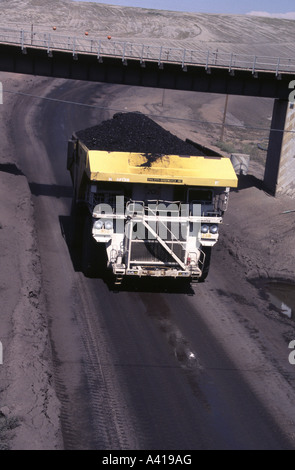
(219, 33)
(148, 367)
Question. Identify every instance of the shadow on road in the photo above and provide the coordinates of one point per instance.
(11, 168)
(52, 190)
(157, 285)
(249, 181)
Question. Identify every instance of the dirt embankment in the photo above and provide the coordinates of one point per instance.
(259, 232)
(29, 409)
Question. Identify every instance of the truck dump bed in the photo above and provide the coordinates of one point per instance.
(131, 167)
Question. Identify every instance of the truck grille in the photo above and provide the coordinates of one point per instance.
(152, 251)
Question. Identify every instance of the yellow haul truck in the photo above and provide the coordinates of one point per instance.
(154, 215)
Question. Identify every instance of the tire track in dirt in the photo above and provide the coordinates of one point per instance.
(93, 416)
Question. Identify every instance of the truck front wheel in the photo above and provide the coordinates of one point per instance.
(89, 249)
(205, 272)
(94, 257)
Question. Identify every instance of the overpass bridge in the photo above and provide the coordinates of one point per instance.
(158, 66)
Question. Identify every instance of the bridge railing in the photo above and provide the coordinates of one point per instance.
(143, 52)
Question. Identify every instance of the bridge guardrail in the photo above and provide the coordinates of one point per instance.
(143, 52)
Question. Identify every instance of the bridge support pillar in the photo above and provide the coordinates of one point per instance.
(279, 176)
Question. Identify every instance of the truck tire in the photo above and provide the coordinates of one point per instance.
(76, 225)
(93, 254)
(205, 272)
(89, 249)
(74, 236)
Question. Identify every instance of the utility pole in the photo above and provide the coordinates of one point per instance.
(163, 97)
(223, 120)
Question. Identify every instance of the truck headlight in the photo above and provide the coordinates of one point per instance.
(108, 225)
(98, 224)
(205, 229)
(214, 229)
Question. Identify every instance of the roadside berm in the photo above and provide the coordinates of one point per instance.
(261, 231)
(29, 409)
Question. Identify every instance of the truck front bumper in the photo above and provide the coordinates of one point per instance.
(158, 272)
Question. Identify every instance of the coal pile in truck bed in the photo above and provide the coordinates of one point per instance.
(135, 132)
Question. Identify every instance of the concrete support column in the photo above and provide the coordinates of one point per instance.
(279, 176)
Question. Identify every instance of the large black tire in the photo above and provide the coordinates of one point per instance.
(94, 258)
(78, 214)
(74, 235)
(89, 258)
(207, 250)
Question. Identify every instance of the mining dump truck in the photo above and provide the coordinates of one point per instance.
(152, 205)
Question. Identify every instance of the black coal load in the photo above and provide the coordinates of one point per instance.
(135, 132)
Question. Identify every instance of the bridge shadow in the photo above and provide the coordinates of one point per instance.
(51, 190)
(249, 181)
(11, 168)
(39, 189)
